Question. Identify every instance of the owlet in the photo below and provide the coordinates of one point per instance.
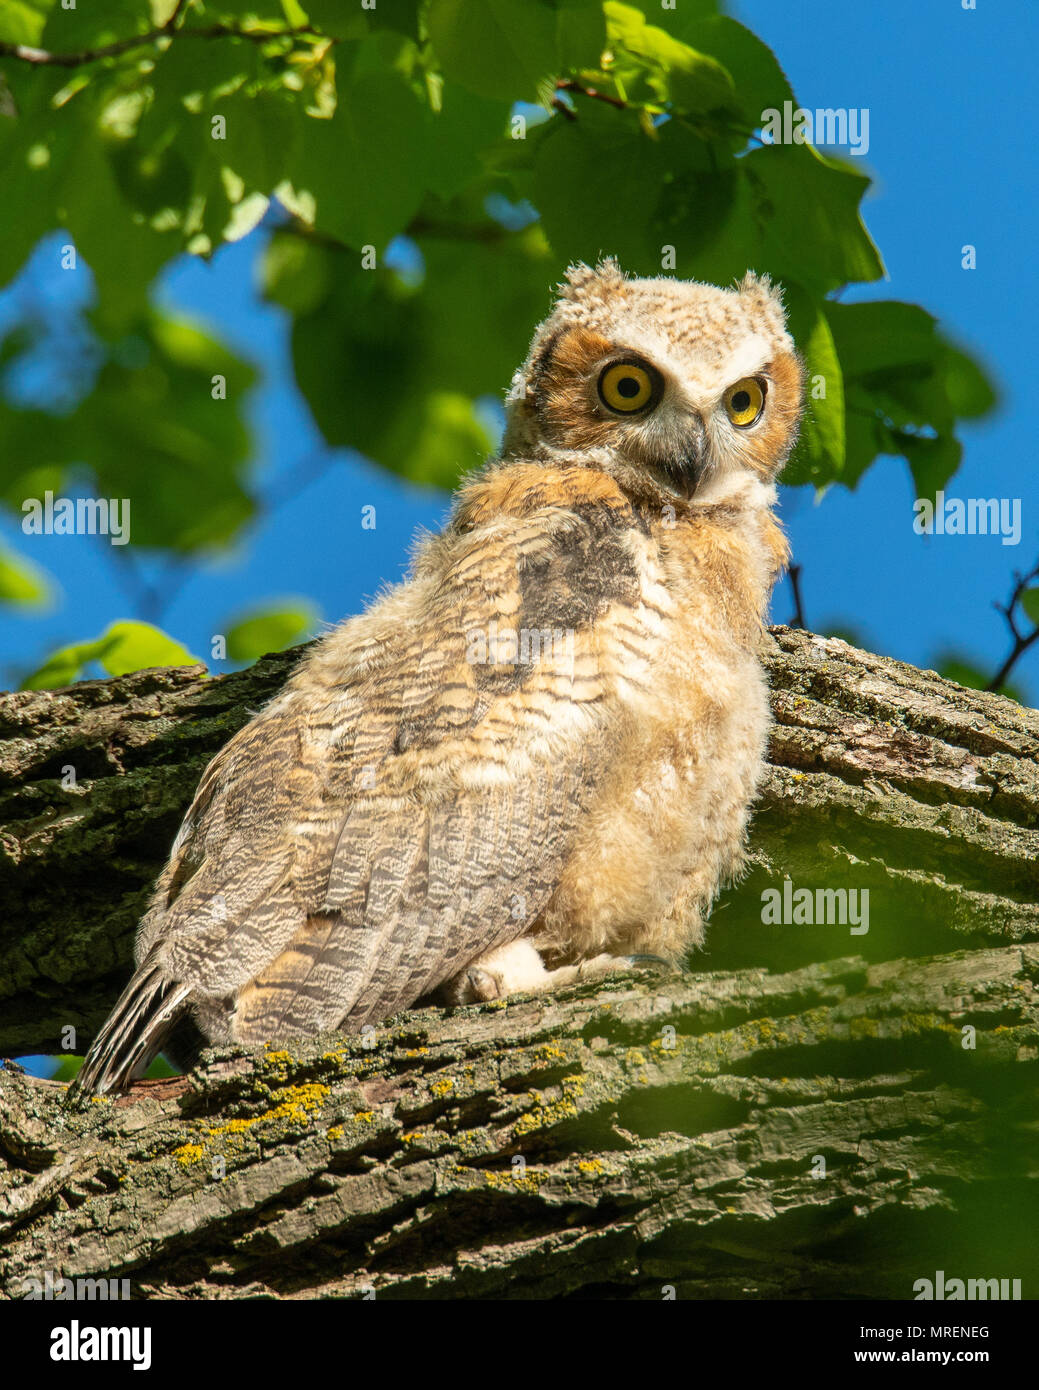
(534, 758)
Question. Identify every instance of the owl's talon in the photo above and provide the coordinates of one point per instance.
(649, 962)
(482, 986)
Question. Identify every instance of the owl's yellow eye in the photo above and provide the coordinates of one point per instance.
(628, 387)
(745, 401)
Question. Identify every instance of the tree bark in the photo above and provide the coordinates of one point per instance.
(814, 1111)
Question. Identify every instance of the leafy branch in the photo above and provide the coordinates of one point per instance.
(41, 57)
(566, 84)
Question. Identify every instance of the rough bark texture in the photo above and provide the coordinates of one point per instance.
(816, 1124)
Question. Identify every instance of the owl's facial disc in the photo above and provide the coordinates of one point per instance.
(647, 430)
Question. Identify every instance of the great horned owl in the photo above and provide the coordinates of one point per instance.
(533, 758)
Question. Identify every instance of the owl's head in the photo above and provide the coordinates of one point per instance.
(671, 385)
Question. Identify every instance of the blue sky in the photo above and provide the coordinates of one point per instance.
(949, 93)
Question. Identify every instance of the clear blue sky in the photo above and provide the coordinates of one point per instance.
(950, 95)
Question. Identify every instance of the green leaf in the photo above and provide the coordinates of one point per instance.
(134, 646)
(294, 273)
(492, 47)
(89, 25)
(456, 138)
(153, 431)
(1030, 604)
(809, 208)
(678, 20)
(932, 462)
(678, 73)
(270, 14)
(32, 148)
(580, 34)
(819, 455)
(340, 20)
(125, 646)
(23, 583)
(270, 630)
(904, 385)
(439, 440)
(970, 391)
(882, 335)
(220, 133)
(393, 371)
(365, 167)
(597, 183)
(758, 80)
(22, 21)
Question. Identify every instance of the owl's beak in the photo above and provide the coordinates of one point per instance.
(688, 466)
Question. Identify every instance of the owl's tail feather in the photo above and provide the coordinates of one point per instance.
(147, 1010)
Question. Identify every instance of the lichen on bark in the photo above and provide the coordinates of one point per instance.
(805, 1112)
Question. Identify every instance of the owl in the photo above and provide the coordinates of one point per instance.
(534, 759)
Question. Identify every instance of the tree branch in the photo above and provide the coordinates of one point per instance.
(567, 84)
(880, 777)
(811, 1112)
(40, 57)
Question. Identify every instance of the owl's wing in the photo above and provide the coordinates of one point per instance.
(409, 801)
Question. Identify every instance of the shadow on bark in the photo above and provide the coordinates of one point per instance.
(812, 1112)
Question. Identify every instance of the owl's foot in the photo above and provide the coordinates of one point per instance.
(518, 969)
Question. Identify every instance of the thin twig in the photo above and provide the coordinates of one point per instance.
(40, 57)
(1021, 641)
(567, 84)
(798, 620)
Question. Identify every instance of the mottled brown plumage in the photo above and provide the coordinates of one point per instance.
(537, 754)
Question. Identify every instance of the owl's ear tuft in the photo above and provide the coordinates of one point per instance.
(584, 282)
(764, 298)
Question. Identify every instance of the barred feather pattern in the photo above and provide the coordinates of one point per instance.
(423, 791)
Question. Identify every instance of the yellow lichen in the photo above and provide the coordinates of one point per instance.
(863, 1028)
(189, 1153)
(296, 1106)
(443, 1087)
(592, 1165)
(526, 1180)
(544, 1115)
